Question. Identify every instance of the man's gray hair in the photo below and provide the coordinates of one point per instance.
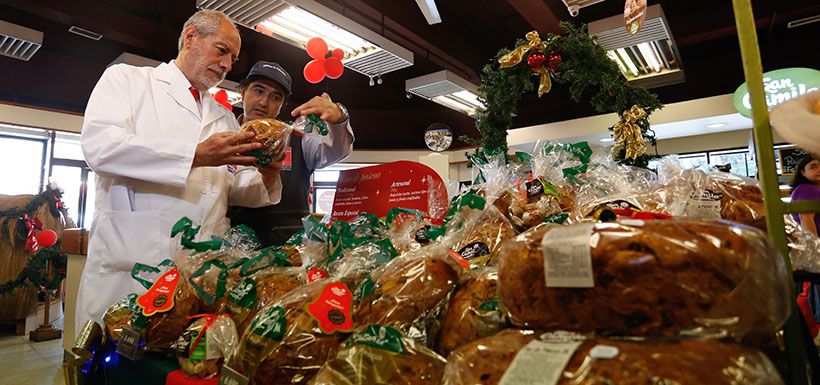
(206, 22)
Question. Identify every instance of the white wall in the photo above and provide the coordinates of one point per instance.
(31, 117)
(710, 142)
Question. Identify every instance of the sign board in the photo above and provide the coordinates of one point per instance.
(634, 15)
(377, 189)
(779, 86)
(789, 157)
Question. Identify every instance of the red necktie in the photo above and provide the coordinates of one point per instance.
(195, 93)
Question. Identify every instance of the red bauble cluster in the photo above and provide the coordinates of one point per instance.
(536, 60)
(555, 60)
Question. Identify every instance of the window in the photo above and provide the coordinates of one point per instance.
(23, 157)
(739, 160)
(698, 160)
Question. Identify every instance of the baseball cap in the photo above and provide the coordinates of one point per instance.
(272, 71)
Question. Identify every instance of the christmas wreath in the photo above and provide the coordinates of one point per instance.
(573, 59)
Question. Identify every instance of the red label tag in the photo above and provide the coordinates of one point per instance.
(315, 274)
(332, 308)
(287, 162)
(458, 258)
(160, 297)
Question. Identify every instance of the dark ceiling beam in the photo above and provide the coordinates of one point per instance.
(97, 17)
(538, 14)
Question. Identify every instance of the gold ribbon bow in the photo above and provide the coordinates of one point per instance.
(534, 43)
(628, 133)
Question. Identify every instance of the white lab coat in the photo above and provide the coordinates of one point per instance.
(139, 135)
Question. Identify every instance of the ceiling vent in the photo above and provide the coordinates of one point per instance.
(649, 58)
(296, 21)
(85, 33)
(447, 89)
(245, 12)
(19, 42)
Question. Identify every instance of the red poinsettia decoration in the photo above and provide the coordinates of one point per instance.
(324, 63)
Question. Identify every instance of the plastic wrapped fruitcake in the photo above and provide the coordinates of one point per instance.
(381, 355)
(408, 292)
(288, 341)
(643, 278)
(205, 345)
(522, 357)
(274, 136)
(473, 312)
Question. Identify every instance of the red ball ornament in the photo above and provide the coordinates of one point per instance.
(536, 60)
(47, 238)
(555, 60)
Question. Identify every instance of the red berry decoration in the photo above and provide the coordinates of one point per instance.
(536, 60)
(47, 238)
(555, 60)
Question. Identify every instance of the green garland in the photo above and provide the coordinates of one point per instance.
(34, 273)
(49, 196)
(587, 70)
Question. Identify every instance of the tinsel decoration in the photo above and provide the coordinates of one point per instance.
(628, 134)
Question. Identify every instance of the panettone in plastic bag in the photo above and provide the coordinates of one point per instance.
(381, 355)
(473, 312)
(288, 341)
(641, 278)
(409, 292)
(523, 357)
(206, 345)
(274, 136)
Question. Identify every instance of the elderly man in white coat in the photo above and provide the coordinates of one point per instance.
(162, 149)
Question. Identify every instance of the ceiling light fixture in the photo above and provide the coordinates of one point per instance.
(19, 42)
(607, 140)
(430, 11)
(447, 89)
(297, 21)
(648, 59)
(716, 125)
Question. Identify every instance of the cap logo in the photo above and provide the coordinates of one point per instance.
(277, 69)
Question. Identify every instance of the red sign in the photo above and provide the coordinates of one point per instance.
(160, 297)
(377, 189)
(332, 308)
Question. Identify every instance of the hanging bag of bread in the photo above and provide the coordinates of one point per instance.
(274, 135)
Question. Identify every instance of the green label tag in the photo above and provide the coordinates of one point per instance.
(364, 289)
(244, 294)
(270, 323)
(379, 337)
(489, 305)
(199, 351)
(556, 218)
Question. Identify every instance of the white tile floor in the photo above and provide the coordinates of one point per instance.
(26, 362)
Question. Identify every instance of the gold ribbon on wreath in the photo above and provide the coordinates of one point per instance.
(534, 43)
(628, 133)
